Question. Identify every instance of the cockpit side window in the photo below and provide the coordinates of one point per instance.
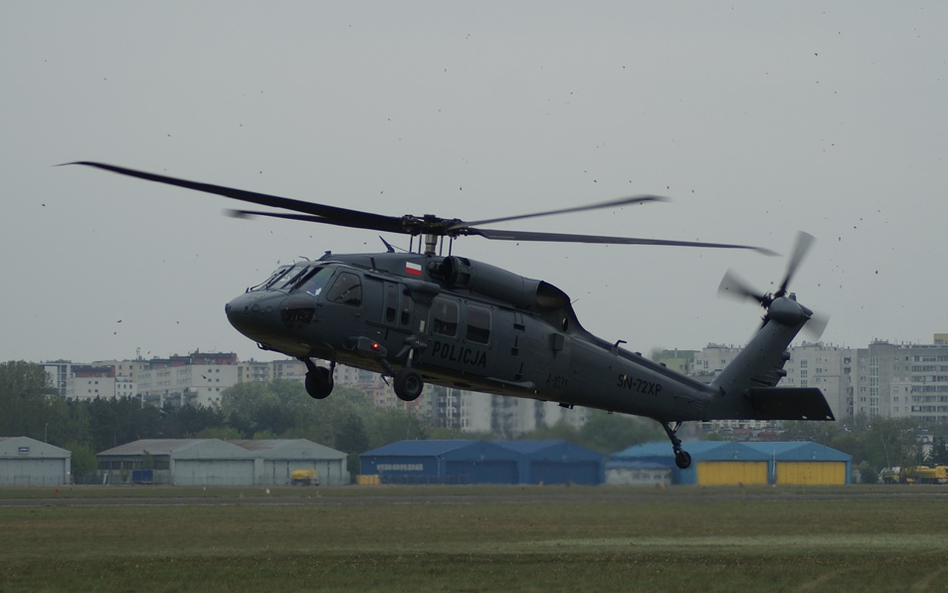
(346, 289)
(315, 280)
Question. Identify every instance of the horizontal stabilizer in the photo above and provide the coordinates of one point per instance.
(788, 403)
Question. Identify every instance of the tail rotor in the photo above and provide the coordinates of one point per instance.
(732, 285)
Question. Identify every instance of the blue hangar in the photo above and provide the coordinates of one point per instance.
(483, 462)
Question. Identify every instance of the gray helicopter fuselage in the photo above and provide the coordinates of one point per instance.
(459, 323)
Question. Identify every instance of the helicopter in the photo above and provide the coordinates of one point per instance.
(422, 316)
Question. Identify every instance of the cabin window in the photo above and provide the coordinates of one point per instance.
(478, 324)
(346, 289)
(445, 317)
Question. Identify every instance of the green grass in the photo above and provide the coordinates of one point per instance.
(475, 539)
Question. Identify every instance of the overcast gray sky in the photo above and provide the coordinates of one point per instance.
(757, 119)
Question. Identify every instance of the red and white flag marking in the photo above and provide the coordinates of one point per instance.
(413, 269)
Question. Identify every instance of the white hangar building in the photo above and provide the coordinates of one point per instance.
(213, 462)
(275, 459)
(28, 462)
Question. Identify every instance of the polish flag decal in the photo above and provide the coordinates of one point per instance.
(413, 269)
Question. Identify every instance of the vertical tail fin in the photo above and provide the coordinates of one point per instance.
(761, 362)
(747, 386)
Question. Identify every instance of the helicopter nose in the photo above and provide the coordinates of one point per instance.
(255, 315)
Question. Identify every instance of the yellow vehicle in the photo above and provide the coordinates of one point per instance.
(924, 474)
(909, 475)
(304, 477)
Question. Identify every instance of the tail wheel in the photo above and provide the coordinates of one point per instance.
(682, 457)
(408, 385)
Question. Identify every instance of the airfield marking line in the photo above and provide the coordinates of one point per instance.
(823, 579)
(924, 584)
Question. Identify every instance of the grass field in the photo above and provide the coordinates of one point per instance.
(474, 539)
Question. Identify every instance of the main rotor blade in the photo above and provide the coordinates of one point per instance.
(329, 214)
(803, 244)
(284, 216)
(609, 204)
(498, 235)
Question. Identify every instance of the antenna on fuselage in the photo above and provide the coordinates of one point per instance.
(388, 246)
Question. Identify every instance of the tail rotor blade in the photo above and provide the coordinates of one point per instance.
(804, 243)
(734, 286)
(816, 325)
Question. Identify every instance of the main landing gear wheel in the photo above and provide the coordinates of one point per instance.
(319, 381)
(408, 385)
(682, 457)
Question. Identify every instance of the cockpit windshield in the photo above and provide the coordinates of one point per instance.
(292, 277)
(306, 276)
(275, 277)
